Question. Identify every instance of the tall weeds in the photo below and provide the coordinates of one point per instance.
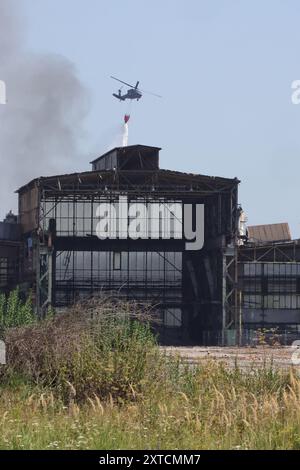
(93, 349)
(94, 378)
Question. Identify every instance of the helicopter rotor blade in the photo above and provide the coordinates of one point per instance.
(121, 81)
(149, 93)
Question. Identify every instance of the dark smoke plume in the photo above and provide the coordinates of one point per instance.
(42, 123)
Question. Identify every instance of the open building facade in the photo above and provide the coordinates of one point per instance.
(208, 296)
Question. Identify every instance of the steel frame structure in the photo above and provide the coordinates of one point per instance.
(269, 283)
(208, 279)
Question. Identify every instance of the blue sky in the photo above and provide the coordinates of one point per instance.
(224, 69)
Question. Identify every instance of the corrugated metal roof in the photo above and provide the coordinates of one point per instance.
(269, 233)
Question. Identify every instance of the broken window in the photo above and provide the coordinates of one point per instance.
(173, 317)
(117, 260)
(3, 272)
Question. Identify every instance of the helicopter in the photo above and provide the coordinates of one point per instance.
(133, 93)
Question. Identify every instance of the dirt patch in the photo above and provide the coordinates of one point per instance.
(243, 357)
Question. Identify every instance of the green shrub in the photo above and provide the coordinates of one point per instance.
(15, 312)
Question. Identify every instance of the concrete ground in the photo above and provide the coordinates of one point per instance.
(244, 357)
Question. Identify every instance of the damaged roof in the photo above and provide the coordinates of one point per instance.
(269, 233)
(128, 178)
(159, 177)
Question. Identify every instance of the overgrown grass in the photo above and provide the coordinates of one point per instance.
(211, 408)
(99, 348)
(99, 381)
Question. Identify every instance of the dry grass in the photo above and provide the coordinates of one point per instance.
(99, 381)
(96, 348)
(210, 408)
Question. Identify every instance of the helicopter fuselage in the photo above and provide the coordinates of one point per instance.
(133, 91)
(132, 94)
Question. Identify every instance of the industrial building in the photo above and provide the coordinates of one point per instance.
(64, 261)
(269, 283)
(220, 294)
(10, 246)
